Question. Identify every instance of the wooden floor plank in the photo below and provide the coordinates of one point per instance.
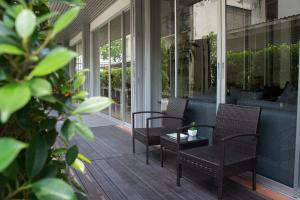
(130, 186)
(167, 187)
(117, 174)
(103, 181)
(88, 182)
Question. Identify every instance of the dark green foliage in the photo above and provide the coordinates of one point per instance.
(36, 97)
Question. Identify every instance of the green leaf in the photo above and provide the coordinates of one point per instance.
(10, 49)
(46, 17)
(5, 31)
(74, 2)
(48, 124)
(3, 75)
(68, 129)
(8, 21)
(55, 60)
(84, 131)
(25, 23)
(93, 104)
(80, 95)
(59, 151)
(48, 98)
(79, 80)
(79, 165)
(3, 4)
(8, 40)
(11, 172)
(10, 148)
(66, 19)
(71, 155)
(13, 97)
(40, 87)
(83, 158)
(50, 171)
(36, 155)
(14, 11)
(53, 189)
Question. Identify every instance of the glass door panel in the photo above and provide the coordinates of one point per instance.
(167, 48)
(116, 60)
(127, 70)
(104, 63)
(197, 49)
(262, 52)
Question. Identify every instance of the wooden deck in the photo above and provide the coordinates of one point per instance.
(118, 174)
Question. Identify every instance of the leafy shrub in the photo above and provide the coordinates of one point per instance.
(37, 97)
(252, 77)
(116, 77)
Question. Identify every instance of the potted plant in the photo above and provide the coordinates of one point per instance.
(193, 130)
(40, 105)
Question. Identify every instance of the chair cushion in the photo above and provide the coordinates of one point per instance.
(210, 155)
(154, 134)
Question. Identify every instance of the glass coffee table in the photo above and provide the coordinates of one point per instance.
(170, 143)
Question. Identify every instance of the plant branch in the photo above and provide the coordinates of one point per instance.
(17, 191)
(45, 43)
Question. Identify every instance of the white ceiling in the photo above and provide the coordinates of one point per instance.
(91, 11)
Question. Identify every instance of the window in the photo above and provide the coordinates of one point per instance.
(116, 59)
(127, 75)
(262, 54)
(197, 48)
(167, 44)
(112, 65)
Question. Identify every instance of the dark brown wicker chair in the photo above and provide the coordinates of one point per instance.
(234, 146)
(172, 119)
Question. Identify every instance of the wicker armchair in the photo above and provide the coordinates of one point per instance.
(172, 119)
(234, 146)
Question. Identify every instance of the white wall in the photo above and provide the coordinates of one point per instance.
(205, 18)
(288, 8)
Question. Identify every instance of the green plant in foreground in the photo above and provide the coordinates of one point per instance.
(37, 104)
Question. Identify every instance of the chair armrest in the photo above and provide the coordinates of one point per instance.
(231, 137)
(143, 112)
(160, 117)
(164, 117)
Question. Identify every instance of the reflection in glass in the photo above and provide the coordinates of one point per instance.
(127, 91)
(262, 70)
(167, 44)
(104, 62)
(116, 57)
(79, 57)
(197, 49)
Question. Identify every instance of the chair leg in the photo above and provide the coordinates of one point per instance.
(133, 144)
(254, 179)
(220, 188)
(179, 173)
(162, 156)
(147, 154)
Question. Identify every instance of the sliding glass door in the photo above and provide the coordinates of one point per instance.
(242, 52)
(262, 56)
(197, 48)
(127, 68)
(188, 49)
(103, 49)
(112, 54)
(167, 48)
(116, 60)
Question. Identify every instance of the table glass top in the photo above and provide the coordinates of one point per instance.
(186, 139)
